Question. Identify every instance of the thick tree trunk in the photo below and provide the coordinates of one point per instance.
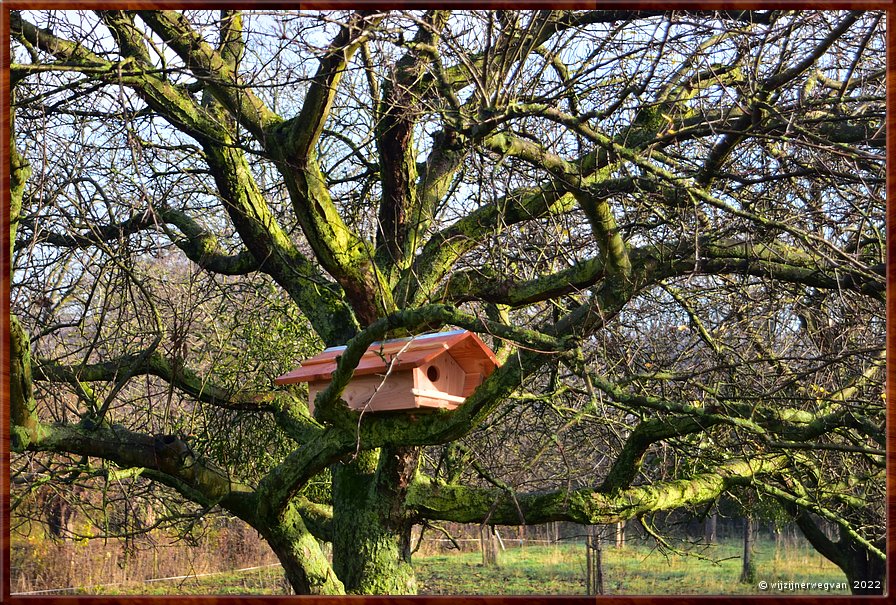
(865, 571)
(371, 537)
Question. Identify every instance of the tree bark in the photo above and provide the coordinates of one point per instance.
(866, 574)
(594, 573)
(304, 563)
(865, 571)
(371, 537)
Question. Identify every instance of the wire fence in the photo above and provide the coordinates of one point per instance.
(170, 578)
(508, 540)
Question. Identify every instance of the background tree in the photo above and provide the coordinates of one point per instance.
(670, 226)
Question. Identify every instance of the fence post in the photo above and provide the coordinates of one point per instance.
(712, 522)
(500, 541)
(748, 572)
(620, 534)
(488, 544)
(594, 575)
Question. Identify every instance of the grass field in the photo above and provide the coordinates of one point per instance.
(557, 570)
(636, 569)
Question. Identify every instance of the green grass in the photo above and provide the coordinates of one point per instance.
(266, 581)
(556, 570)
(636, 569)
(527, 570)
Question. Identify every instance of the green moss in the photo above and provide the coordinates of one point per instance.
(266, 239)
(19, 171)
(25, 429)
(603, 224)
(305, 564)
(367, 553)
(444, 249)
(20, 438)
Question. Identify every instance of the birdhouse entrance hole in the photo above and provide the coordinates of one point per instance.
(432, 372)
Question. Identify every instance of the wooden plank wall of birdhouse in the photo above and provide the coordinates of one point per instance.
(395, 393)
(471, 383)
(449, 377)
(446, 402)
(476, 363)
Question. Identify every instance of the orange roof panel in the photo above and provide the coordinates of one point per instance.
(467, 348)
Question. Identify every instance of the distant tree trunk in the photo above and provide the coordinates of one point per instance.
(620, 534)
(748, 574)
(149, 514)
(712, 523)
(59, 514)
(792, 535)
(594, 575)
(56, 517)
(500, 540)
(489, 545)
(779, 541)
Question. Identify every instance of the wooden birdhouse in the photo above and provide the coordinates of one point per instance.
(428, 371)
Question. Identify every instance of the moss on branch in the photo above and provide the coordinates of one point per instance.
(165, 458)
(218, 73)
(272, 247)
(154, 364)
(464, 504)
(444, 248)
(304, 562)
(25, 426)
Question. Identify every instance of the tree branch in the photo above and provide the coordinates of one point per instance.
(184, 379)
(445, 247)
(463, 504)
(292, 145)
(218, 73)
(168, 459)
(199, 245)
(172, 102)
(398, 113)
(273, 249)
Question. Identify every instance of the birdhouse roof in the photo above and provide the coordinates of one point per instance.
(467, 349)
